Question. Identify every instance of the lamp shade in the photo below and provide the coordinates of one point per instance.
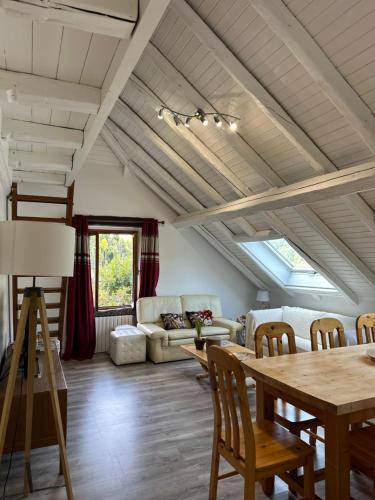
(263, 296)
(30, 248)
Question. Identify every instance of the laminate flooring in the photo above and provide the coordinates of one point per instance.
(138, 432)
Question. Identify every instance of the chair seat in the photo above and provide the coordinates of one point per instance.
(275, 447)
(362, 450)
(286, 413)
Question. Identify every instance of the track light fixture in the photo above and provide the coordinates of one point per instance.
(218, 121)
(201, 116)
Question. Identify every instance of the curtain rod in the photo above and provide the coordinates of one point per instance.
(106, 219)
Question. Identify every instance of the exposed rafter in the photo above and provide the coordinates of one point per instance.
(38, 178)
(188, 170)
(19, 130)
(287, 27)
(311, 257)
(305, 212)
(349, 180)
(127, 56)
(268, 104)
(115, 144)
(73, 18)
(39, 162)
(27, 89)
(232, 181)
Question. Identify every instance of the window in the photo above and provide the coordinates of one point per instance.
(285, 251)
(113, 268)
(286, 267)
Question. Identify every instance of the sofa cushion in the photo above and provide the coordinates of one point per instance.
(204, 316)
(201, 302)
(150, 308)
(191, 332)
(172, 321)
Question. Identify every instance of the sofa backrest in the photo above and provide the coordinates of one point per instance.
(300, 319)
(150, 308)
(201, 302)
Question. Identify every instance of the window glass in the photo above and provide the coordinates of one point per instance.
(113, 274)
(287, 252)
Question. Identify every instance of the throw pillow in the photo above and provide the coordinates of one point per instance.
(172, 321)
(205, 316)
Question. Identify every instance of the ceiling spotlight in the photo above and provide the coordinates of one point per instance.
(233, 126)
(187, 122)
(218, 121)
(161, 114)
(176, 119)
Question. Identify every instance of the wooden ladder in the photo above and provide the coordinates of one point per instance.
(61, 289)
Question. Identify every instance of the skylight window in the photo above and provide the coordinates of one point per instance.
(287, 267)
(282, 248)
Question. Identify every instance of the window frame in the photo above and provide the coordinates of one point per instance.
(126, 308)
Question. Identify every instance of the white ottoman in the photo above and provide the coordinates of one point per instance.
(127, 345)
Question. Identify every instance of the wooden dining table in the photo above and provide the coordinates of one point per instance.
(335, 385)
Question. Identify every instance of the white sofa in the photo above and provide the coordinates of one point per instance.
(164, 345)
(300, 320)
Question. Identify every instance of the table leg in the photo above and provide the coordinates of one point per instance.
(204, 374)
(337, 467)
(265, 411)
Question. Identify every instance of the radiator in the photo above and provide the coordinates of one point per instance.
(104, 326)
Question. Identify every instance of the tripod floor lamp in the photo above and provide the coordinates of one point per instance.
(34, 249)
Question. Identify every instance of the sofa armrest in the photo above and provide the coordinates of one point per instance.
(153, 331)
(232, 326)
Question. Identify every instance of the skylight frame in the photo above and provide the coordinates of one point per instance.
(290, 279)
(293, 268)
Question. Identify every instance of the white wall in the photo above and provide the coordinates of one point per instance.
(188, 264)
(4, 316)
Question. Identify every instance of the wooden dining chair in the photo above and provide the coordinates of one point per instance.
(255, 451)
(287, 415)
(362, 452)
(365, 324)
(330, 329)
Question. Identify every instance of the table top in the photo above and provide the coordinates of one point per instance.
(340, 380)
(201, 356)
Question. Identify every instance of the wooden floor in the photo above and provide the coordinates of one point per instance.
(138, 432)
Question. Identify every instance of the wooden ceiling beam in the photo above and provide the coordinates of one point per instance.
(303, 211)
(113, 142)
(269, 105)
(188, 170)
(27, 89)
(311, 257)
(63, 137)
(38, 178)
(73, 18)
(319, 188)
(40, 162)
(303, 46)
(123, 63)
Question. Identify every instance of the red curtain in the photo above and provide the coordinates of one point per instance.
(149, 272)
(80, 322)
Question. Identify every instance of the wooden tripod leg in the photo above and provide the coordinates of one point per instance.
(54, 396)
(28, 485)
(20, 335)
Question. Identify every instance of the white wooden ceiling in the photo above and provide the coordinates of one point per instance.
(184, 69)
(294, 124)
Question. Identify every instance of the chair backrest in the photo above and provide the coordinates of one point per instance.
(274, 331)
(231, 405)
(327, 327)
(365, 323)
